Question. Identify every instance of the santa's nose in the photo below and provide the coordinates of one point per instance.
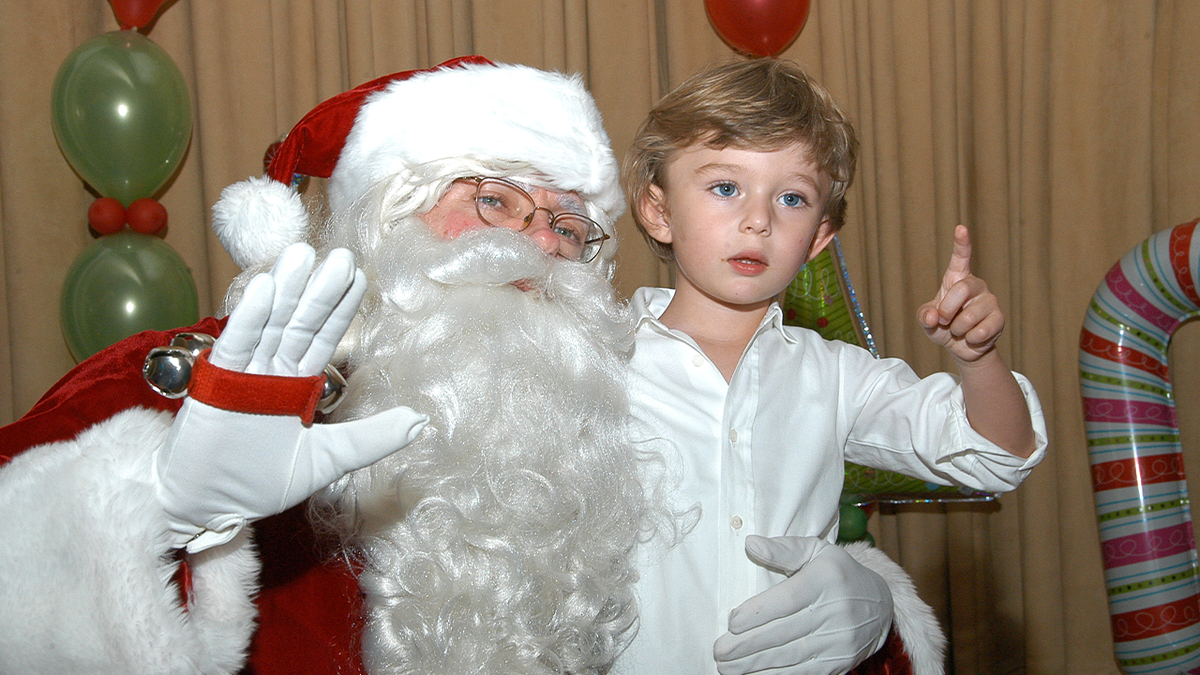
(542, 234)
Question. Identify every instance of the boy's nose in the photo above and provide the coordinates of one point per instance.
(757, 219)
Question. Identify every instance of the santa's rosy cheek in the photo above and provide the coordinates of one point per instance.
(449, 224)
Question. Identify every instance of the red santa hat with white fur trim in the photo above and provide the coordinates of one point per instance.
(466, 110)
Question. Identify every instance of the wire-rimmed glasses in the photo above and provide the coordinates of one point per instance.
(502, 203)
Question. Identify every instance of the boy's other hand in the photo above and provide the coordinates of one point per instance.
(964, 316)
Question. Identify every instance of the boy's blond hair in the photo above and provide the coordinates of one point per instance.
(759, 104)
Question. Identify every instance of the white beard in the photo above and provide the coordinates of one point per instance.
(500, 541)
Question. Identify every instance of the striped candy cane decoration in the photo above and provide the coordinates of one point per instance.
(1141, 498)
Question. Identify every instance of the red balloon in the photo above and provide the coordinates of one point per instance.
(106, 215)
(135, 13)
(146, 216)
(758, 27)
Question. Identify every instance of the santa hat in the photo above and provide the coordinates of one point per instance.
(460, 114)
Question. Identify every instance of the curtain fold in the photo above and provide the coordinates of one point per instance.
(1063, 133)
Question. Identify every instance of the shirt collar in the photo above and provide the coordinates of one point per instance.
(774, 321)
(649, 303)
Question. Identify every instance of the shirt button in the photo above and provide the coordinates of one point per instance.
(736, 522)
(733, 435)
(697, 360)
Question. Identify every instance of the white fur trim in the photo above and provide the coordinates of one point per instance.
(482, 112)
(257, 218)
(86, 571)
(911, 618)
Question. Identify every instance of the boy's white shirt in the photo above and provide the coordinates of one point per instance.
(764, 454)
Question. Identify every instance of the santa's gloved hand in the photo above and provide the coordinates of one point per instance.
(829, 615)
(221, 469)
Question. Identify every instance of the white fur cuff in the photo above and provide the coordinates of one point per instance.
(87, 566)
(912, 619)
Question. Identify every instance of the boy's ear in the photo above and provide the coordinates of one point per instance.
(652, 209)
(821, 239)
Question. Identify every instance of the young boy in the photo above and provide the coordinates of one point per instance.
(737, 179)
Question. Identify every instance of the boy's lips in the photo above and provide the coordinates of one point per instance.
(747, 263)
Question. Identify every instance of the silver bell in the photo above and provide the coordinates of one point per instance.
(335, 390)
(193, 342)
(168, 370)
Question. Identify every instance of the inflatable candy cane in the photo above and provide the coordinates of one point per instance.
(1141, 498)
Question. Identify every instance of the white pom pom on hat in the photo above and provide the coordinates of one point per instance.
(257, 218)
(467, 108)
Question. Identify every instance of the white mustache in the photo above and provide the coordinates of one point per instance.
(489, 257)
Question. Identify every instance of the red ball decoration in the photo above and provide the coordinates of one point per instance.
(135, 13)
(106, 215)
(758, 27)
(146, 216)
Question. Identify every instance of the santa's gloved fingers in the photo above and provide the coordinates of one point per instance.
(234, 349)
(785, 555)
(219, 470)
(291, 273)
(829, 624)
(325, 289)
(325, 343)
(777, 602)
(830, 607)
(802, 657)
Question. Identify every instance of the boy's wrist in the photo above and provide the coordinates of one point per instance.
(985, 361)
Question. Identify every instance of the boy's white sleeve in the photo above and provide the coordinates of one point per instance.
(993, 468)
(919, 427)
(88, 569)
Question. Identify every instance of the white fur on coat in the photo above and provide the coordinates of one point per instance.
(911, 617)
(86, 566)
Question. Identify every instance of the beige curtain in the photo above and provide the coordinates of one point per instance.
(1062, 132)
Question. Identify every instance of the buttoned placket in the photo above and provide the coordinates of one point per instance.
(737, 576)
(736, 505)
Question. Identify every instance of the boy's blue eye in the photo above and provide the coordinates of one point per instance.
(792, 200)
(725, 189)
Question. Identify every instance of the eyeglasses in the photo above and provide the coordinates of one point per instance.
(501, 203)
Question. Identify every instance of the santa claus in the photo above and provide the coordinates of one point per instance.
(477, 478)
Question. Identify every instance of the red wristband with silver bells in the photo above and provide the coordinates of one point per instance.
(255, 394)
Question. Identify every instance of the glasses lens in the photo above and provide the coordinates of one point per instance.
(572, 229)
(591, 249)
(595, 241)
(502, 205)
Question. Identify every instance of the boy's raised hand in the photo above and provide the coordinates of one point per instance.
(964, 316)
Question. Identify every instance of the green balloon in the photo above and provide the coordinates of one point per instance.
(121, 114)
(852, 523)
(123, 284)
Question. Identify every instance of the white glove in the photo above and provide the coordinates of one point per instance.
(829, 615)
(219, 470)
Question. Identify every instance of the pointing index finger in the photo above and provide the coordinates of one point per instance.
(960, 259)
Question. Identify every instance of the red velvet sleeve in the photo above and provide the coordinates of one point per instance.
(309, 605)
(891, 659)
(98, 388)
